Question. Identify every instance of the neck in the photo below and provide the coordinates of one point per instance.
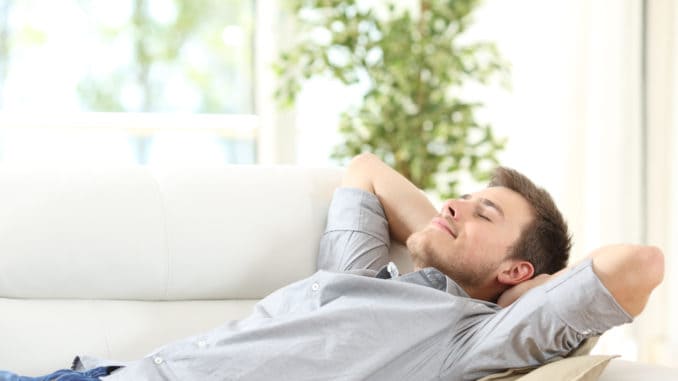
(488, 291)
(482, 294)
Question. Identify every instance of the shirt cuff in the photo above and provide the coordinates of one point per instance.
(581, 300)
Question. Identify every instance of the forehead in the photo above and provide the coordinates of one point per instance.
(514, 206)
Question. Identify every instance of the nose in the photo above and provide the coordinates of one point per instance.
(450, 209)
(454, 208)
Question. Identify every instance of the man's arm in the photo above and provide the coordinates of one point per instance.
(407, 208)
(629, 272)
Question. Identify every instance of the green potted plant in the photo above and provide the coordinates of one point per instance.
(414, 64)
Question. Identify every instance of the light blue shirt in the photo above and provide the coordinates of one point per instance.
(355, 320)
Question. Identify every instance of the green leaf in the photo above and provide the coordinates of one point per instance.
(408, 115)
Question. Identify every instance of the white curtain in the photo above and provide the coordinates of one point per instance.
(659, 328)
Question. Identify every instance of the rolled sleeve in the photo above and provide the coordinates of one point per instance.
(356, 236)
(582, 301)
(545, 324)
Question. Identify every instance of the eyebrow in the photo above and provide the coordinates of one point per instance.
(486, 202)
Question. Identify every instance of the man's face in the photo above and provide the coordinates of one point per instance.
(470, 238)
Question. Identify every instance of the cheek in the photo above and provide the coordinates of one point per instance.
(474, 239)
(480, 244)
(488, 245)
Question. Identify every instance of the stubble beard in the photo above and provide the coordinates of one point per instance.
(420, 251)
(423, 254)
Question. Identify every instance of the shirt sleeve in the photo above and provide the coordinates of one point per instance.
(544, 325)
(356, 236)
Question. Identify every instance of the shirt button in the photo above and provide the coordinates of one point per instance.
(202, 343)
(315, 286)
(393, 270)
(157, 360)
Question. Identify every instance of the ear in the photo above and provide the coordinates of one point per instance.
(515, 271)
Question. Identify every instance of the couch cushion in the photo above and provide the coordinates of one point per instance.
(54, 331)
(578, 368)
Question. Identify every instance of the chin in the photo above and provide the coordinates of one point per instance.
(418, 245)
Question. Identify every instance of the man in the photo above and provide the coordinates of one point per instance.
(462, 314)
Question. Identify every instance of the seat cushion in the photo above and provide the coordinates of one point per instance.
(40, 336)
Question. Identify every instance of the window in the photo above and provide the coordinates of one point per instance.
(61, 58)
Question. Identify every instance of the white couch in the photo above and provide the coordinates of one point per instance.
(113, 262)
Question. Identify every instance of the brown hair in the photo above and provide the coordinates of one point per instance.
(545, 242)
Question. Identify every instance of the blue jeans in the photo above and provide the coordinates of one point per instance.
(62, 375)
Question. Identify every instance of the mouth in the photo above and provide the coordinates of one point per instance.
(443, 225)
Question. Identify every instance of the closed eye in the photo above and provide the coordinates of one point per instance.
(483, 217)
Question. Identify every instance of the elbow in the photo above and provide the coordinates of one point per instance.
(631, 273)
(361, 171)
(651, 261)
(364, 159)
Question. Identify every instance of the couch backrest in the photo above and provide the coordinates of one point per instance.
(140, 233)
